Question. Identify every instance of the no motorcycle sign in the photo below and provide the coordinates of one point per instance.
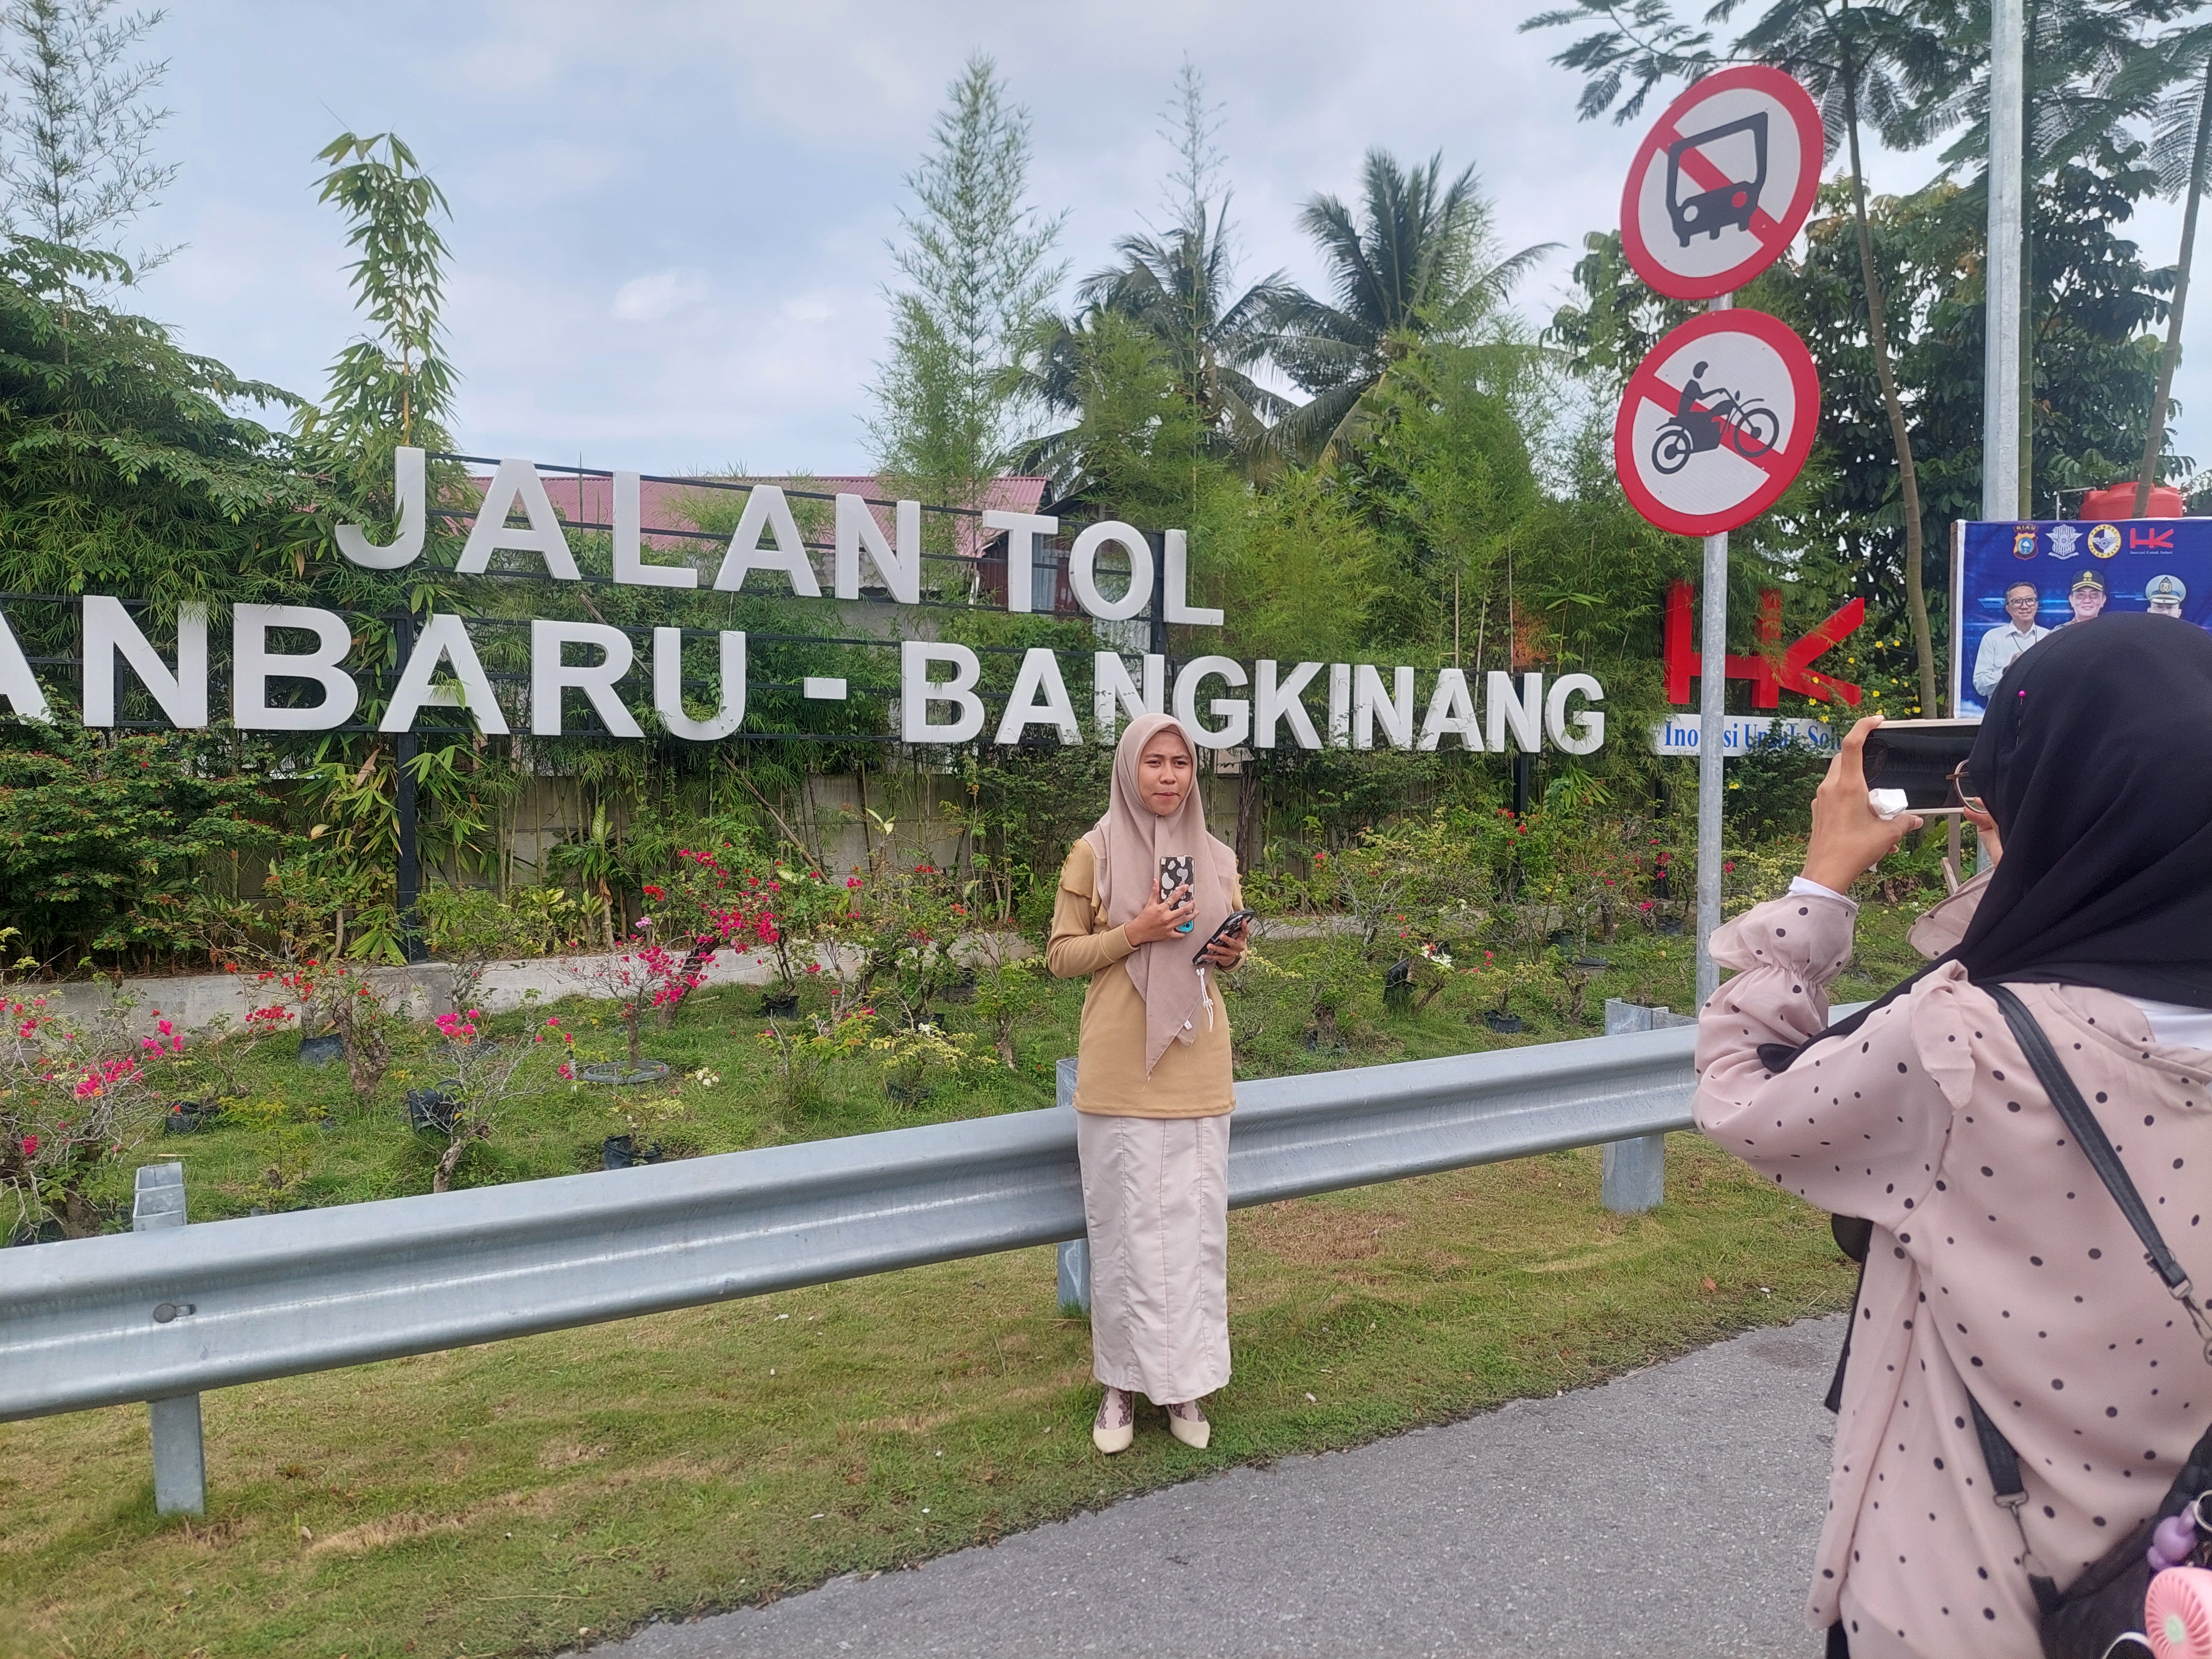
(1716, 423)
(1721, 183)
(1720, 416)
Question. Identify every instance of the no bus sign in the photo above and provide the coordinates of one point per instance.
(1721, 182)
(1716, 421)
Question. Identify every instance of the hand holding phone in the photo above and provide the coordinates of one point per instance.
(1230, 932)
(1170, 913)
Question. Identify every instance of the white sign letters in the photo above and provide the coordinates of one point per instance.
(1224, 704)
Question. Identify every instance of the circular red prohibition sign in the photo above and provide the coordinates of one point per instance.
(1721, 182)
(1717, 421)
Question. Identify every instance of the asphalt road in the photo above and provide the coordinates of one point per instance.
(1668, 1515)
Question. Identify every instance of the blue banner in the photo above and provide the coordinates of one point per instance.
(2069, 569)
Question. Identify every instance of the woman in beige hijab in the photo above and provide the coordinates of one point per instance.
(1140, 895)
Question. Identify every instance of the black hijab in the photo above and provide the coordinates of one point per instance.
(2095, 759)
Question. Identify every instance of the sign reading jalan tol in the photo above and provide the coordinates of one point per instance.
(939, 703)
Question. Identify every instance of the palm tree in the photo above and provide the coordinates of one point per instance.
(1175, 286)
(2179, 151)
(1417, 264)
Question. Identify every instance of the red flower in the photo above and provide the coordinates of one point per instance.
(30, 1145)
(651, 892)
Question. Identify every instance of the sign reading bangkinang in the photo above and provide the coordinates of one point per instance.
(940, 700)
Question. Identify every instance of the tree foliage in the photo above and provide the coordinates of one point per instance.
(76, 136)
(977, 261)
(123, 467)
(1416, 261)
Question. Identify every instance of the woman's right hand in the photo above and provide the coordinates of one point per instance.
(1160, 919)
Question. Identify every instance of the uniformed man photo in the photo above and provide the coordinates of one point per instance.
(2165, 593)
(2087, 597)
(2001, 645)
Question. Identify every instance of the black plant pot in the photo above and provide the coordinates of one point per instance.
(430, 1109)
(780, 1004)
(321, 1050)
(1503, 1024)
(960, 992)
(1592, 964)
(186, 1116)
(1398, 986)
(906, 1094)
(1562, 938)
(621, 1152)
(1671, 927)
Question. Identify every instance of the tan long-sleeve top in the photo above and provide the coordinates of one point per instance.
(1999, 1267)
(1193, 1079)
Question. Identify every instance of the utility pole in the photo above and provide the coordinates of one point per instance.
(2000, 412)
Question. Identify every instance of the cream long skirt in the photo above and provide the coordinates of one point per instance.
(1155, 1200)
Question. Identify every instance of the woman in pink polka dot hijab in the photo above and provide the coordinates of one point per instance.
(2000, 1271)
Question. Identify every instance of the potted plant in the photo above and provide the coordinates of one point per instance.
(1006, 992)
(646, 977)
(804, 1050)
(911, 1053)
(464, 1106)
(74, 1096)
(1502, 979)
(1415, 980)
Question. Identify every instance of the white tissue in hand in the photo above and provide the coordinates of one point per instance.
(1886, 803)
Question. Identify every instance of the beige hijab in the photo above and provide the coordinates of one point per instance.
(1126, 846)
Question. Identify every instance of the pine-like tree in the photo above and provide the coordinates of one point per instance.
(977, 260)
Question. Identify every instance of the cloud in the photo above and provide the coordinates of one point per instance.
(670, 217)
(660, 295)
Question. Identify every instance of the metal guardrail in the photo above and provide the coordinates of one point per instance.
(164, 1315)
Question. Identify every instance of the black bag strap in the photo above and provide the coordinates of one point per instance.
(2075, 1112)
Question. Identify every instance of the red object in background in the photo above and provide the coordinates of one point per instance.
(1773, 670)
(2119, 502)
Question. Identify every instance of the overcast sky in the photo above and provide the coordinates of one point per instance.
(670, 217)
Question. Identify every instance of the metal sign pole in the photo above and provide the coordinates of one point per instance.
(2001, 413)
(1712, 705)
(1712, 691)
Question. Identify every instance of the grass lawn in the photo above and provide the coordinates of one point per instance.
(505, 1498)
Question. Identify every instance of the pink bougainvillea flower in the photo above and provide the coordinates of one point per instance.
(30, 1145)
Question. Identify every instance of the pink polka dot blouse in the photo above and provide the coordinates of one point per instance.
(2000, 1265)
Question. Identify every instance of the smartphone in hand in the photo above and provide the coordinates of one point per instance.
(1235, 921)
(1176, 872)
(1920, 758)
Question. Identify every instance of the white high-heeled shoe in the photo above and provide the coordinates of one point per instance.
(1194, 1431)
(1115, 1425)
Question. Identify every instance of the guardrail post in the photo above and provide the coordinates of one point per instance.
(180, 1457)
(1074, 1253)
(1634, 1178)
